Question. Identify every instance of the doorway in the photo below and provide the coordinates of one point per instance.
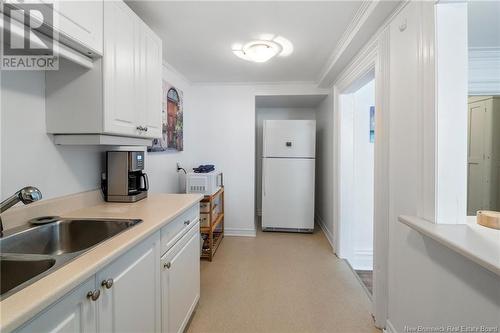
(357, 164)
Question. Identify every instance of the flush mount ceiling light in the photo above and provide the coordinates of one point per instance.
(264, 49)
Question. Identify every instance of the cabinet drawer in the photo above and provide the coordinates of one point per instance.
(178, 227)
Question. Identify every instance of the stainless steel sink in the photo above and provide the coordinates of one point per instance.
(16, 271)
(64, 236)
(31, 252)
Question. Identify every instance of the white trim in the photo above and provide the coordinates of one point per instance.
(364, 11)
(253, 83)
(240, 232)
(484, 70)
(374, 56)
(389, 327)
(328, 234)
(176, 72)
(368, 44)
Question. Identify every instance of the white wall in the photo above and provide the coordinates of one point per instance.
(223, 127)
(162, 166)
(363, 164)
(429, 285)
(29, 157)
(324, 166)
(274, 114)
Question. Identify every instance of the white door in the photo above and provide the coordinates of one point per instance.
(476, 158)
(130, 302)
(151, 73)
(289, 138)
(121, 43)
(74, 313)
(180, 281)
(288, 193)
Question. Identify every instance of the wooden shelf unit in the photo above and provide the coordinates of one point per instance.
(215, 228)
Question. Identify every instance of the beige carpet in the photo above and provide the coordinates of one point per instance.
(280, 282)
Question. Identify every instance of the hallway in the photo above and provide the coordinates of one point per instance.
(280, 282)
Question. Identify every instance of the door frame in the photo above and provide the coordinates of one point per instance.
(374, 57)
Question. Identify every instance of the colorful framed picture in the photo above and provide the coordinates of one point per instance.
(172, 115)
(372, 124)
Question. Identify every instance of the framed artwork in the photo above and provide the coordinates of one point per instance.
(372, 124)
(171, 119)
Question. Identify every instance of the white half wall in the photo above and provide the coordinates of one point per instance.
(429, 285)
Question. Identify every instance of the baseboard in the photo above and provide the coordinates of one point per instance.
(362, 259)
(328, 235)
(389, 328)
(240, 232)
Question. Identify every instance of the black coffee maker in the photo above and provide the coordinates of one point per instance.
(125, 181)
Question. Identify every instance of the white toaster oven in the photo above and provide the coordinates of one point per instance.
(204, 183)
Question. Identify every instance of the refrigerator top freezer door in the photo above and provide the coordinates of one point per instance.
(289, 138)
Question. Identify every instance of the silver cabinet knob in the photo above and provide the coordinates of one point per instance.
(94, 295)
(139, 128)
(107, 283)
(187, 222)
(167, 265)
(145, 128)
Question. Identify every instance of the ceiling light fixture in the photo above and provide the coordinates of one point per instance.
(264, 49)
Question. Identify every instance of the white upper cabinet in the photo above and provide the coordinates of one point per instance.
(79, 24)
(121, 70)
(132, 73)
(121, 95)
(151, 77)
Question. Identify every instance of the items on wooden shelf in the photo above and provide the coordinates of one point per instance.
(212, 223)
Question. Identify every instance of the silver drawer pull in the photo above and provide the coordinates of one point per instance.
(107, 283)
(94, 295)
(187, 222)
(167, 265)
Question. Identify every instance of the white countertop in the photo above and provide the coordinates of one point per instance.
(475, 242)
(156, 211)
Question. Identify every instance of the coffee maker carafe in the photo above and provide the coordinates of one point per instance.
(125, 181)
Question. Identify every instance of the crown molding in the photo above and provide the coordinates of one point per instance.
(362, 14)
(176, 72)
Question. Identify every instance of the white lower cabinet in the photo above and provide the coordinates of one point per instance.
(74, 313)
(129, 300)
(141, 291)
(123, 297)
(180, 281)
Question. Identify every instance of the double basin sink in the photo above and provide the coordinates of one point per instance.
(30, 252)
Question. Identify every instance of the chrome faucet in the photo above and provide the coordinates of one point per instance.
(26, 195)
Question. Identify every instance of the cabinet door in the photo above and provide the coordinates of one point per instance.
(74, 313)
(151, 74)
(79, 23)
(120, 69)
(132, 302)
(180, 281)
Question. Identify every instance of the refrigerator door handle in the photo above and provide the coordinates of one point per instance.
(264, 176)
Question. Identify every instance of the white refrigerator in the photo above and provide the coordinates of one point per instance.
(288, 168)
